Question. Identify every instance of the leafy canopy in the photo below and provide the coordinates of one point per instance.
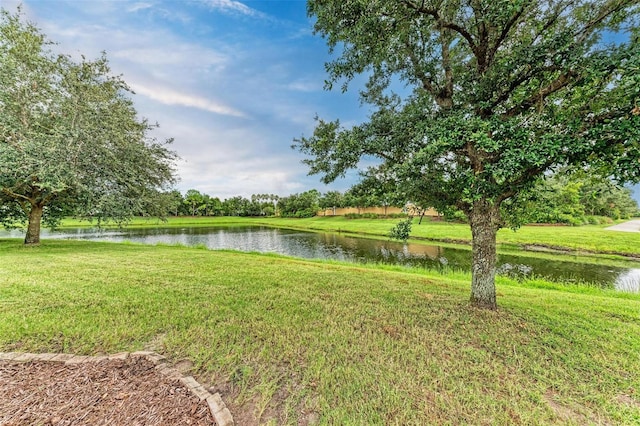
(70, 138)
(495, 94)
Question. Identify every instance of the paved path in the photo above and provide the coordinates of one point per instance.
(630, 226)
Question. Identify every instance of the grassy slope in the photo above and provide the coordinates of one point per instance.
(288, 340)
(588, 238)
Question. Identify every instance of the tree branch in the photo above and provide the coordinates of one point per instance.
(520, 76)
(445, 97)
(559, 83)
(482, 43)
(617, 5)
(434, 13)
(12, 194)
(427, 83)
(503, 34)
(525, 176)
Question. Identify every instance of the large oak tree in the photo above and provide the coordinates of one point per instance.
(70, 138)
(489, 96)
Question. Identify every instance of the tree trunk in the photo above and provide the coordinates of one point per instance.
(485, 222)
(33, 230)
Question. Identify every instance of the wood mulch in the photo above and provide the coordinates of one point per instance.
(110, 392)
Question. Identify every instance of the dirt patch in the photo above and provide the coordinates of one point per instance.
(627, 400)
(115, 392)
(254, 410)
(565, 413)
(574, 413)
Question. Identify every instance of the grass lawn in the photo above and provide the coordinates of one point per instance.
(290, 341)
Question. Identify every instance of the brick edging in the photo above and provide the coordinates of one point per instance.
(218, 409)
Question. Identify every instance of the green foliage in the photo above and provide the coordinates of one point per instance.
(235, 206)
(194, 199)
(173, 202)
(456, 216)
(331, 200)
(263, 204)
(367, 216)
(402, 230)
(70, 139)
(496, 94)
(195, 203)
(517, 108)
(573, 198)
(300, 205)
(396, 216)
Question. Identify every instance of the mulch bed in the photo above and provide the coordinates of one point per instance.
(110, 392)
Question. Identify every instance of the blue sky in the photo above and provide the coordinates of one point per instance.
(232, 82)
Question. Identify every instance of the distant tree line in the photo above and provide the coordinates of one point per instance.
(304, 204)
(566, 198)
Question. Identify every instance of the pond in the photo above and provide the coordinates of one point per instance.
(313, 245)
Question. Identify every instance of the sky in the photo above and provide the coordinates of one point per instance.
(233, 83)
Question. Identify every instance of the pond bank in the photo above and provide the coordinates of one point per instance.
(367, 249)
(593, 240)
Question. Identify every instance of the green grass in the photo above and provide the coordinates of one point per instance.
(594, 239)
(287, 340)
(588, 238)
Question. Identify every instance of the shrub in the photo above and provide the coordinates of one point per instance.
(593, 220)
(401, 231)
(577, 220)
(456, 216)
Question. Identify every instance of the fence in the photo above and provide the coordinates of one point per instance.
(382, 211)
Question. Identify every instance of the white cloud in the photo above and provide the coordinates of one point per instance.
(139, 6)
(242, 177)
(233, 102)
(305, 85)
(172, 97)
(231, 6)
(176, 54)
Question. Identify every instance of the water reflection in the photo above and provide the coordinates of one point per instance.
(313, 245)
(629, 281)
